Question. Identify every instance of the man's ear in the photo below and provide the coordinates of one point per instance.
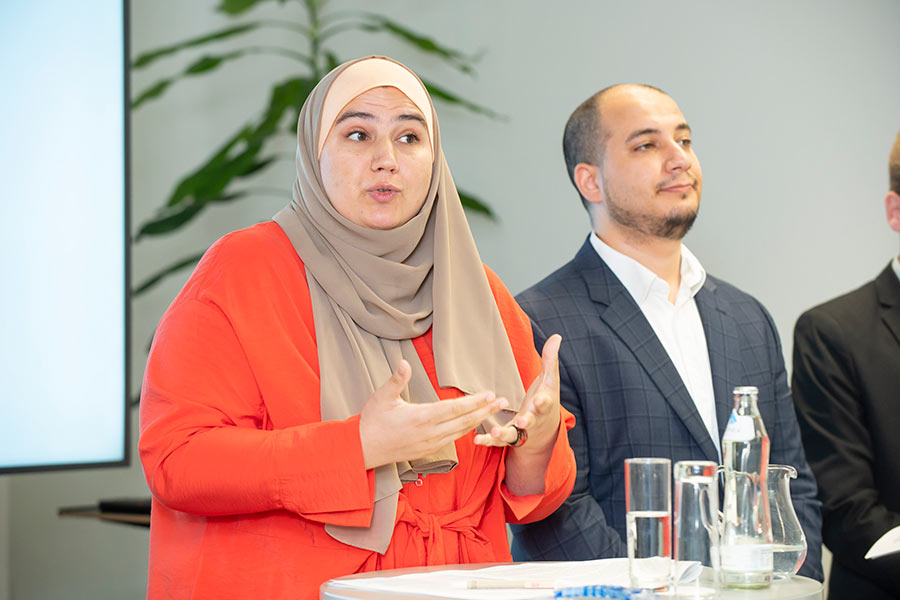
(892, 210)
(586, 178)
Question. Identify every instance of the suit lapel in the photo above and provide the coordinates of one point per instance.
(621, 313)
(887, 286)
(724, 349)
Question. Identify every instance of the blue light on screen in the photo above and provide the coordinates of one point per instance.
(62, 233)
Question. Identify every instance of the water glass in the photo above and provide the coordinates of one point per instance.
(648, 506)
(697, 523)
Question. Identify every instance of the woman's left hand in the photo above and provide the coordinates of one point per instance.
(539, 414)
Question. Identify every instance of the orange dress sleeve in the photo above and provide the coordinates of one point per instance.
(210, 444)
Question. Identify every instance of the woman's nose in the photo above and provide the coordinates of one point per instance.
(384, 157)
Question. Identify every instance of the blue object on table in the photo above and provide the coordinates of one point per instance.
(605, 591)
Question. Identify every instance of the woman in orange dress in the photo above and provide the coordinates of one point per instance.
(343, 389)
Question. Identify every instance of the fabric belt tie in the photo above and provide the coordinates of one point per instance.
(433, 527)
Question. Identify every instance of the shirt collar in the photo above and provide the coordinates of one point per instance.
(894, 263)
(641, 281)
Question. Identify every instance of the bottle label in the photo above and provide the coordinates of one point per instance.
(739, 429)
(747, 557)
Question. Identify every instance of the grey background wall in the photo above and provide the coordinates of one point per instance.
(794, 106)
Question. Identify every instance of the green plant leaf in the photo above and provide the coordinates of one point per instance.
(258, 165)
(438, 92)
(169, 219)
(193, 182)
(474, 204)
(172, 218)
(425, 44)
(288, 94)
(151, 92)
(163, 273)
(237, 158)
(203, 65)
(236, 7)
(208, 63)
(149, 57)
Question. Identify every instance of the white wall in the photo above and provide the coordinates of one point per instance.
(793, 105)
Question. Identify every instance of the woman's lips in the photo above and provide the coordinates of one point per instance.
(383, 193)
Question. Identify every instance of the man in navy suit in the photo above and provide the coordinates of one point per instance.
(652, 346)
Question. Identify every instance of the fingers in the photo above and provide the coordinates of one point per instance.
(550, 357)
(450, 410)
(464, 422)
(392, 388)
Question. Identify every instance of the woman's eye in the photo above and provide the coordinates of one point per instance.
(409, 138)
(357, 136)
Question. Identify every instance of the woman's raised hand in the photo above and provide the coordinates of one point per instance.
(393, 430)
(539, 414)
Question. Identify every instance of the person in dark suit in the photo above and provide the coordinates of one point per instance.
(846, 385)
(653, 346)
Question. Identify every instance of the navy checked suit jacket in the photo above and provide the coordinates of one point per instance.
(628, 401)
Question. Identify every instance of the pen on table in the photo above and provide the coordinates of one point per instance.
(499, 584)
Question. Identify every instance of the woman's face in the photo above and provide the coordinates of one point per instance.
(377, 159)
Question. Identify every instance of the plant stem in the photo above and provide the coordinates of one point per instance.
(312, 8)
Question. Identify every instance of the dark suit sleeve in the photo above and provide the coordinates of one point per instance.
(839, 447)
(787, 448)
(577, 530)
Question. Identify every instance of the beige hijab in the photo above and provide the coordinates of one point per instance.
(373, 291)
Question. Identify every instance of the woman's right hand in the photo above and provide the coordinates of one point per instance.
(393, 430)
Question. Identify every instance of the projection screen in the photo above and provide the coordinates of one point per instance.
(63, 234)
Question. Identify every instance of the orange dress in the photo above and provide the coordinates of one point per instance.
(244, 473)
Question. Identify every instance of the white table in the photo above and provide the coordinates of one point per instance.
(796, 588)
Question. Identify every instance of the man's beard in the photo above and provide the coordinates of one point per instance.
(673, 226)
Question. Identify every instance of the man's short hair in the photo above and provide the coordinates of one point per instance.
(894, 166)
(584, 140)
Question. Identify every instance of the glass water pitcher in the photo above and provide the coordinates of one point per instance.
(789, 543)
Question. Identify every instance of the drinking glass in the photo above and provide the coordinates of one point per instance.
(696, 523)
(648, 506)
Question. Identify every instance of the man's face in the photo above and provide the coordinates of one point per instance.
(650, 178)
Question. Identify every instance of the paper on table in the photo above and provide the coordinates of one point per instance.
(454, 583)
(886, 544)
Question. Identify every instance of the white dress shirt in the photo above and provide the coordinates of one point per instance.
(678, 326)
(896, 264)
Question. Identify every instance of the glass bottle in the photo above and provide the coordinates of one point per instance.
(789, 542)
(746, 546)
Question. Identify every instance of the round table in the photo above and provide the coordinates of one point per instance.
(796, 588)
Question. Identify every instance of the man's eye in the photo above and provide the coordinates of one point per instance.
(357, 136)
(685, 142)
(409, 138)
(646, 146)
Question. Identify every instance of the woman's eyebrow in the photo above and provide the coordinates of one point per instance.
(370, 117)
(411, 117)
(355, 113)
